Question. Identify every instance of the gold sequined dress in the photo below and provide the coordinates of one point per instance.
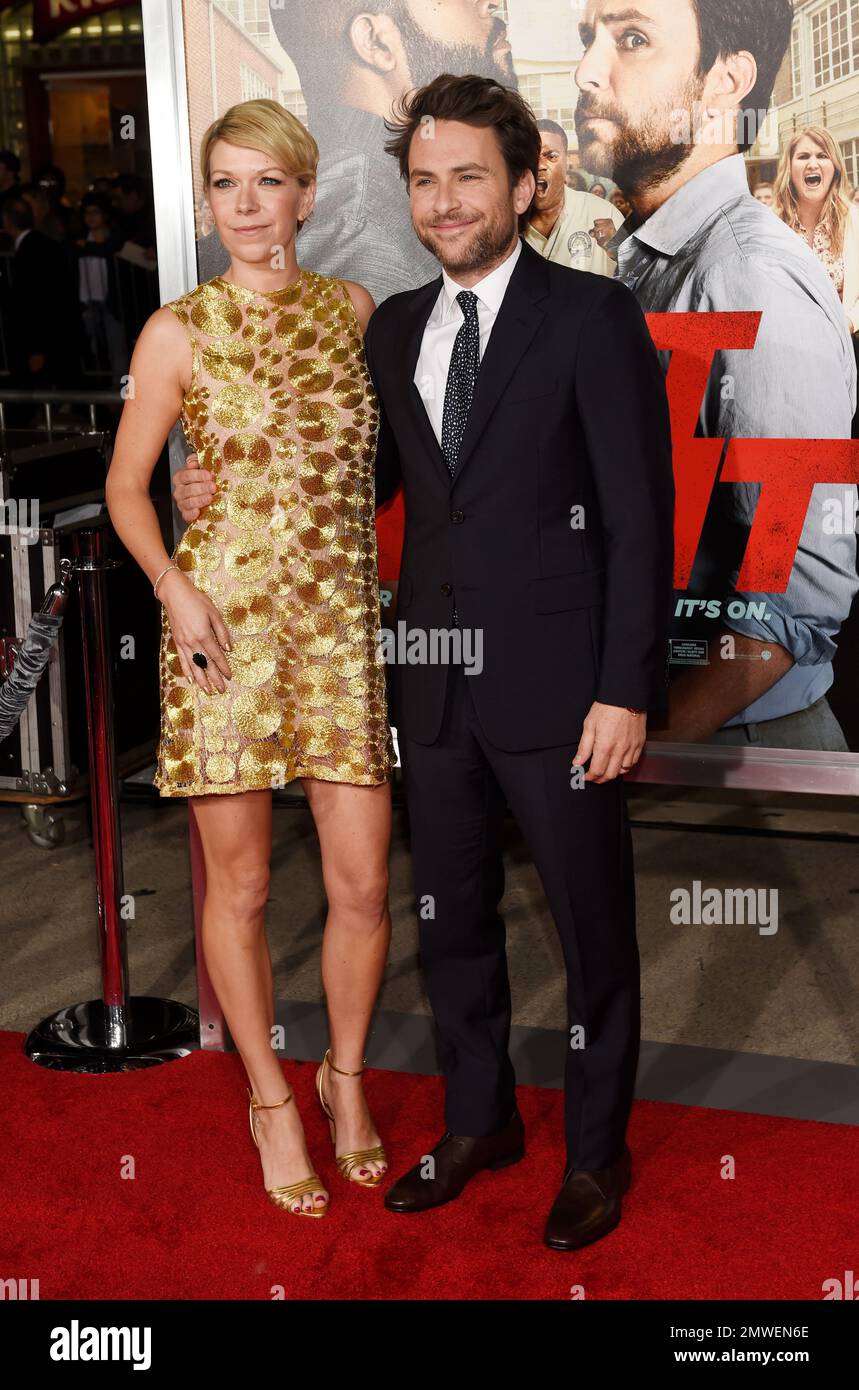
(282, 411)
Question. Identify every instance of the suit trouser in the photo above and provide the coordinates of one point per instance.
(581, 845)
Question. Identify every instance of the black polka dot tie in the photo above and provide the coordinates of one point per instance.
(461, 379)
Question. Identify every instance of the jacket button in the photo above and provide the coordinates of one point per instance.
(447, 590)
(457, 517)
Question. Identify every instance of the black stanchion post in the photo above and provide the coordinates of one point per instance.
(91, 564)
(116, 1032)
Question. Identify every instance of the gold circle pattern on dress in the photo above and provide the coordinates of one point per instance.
(283, 413)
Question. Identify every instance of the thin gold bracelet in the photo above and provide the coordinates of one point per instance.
(161, 576)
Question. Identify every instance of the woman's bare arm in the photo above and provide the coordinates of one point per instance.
(160, 373)
(160, 367)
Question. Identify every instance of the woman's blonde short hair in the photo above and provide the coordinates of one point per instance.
(266, 126)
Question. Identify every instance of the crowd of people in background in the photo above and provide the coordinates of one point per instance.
(76, 277)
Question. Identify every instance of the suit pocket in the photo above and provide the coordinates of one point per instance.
(530, 388)
(562, 592)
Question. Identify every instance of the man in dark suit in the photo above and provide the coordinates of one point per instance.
(44, 320)
(524, 409)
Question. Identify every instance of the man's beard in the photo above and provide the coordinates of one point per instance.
(641, 156)
(428, 57)
(485, 247)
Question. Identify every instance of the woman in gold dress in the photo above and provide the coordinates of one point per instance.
(269, 663)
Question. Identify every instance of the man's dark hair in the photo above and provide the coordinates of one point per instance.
(100, 201)
(475, 101)
(554, 129)
(11, 161)
(19, 213)
(131, 183)
(760, 27)
(52, 178)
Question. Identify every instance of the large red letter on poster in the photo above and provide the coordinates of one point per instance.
(786, 469)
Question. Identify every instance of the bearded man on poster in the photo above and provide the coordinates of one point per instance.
(671, 96)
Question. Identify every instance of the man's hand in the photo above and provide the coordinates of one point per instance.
(193, 488)
(613, 739)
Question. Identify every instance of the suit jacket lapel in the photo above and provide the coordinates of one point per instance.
(421, 308)
(517, 322)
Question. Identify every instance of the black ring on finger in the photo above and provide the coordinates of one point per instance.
(200, 659)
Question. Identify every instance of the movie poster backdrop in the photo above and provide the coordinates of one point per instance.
(749, 304)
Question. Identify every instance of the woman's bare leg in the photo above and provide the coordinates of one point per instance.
(354, 828)
(235, 831)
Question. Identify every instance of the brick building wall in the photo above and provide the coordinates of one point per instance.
(233, 51)
(827, 91)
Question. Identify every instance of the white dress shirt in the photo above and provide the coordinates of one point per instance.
(445, 322)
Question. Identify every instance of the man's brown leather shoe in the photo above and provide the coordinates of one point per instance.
(588, 1205)
(457, 1159)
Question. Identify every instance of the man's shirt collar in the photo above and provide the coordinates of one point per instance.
(669, 229)
(490, 290)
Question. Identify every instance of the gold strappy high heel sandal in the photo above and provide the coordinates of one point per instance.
(283, 1197)
(347, 1163)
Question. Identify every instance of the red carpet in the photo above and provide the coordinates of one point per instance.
(195, 1223)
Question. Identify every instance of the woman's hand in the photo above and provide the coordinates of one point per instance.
(197, 626)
